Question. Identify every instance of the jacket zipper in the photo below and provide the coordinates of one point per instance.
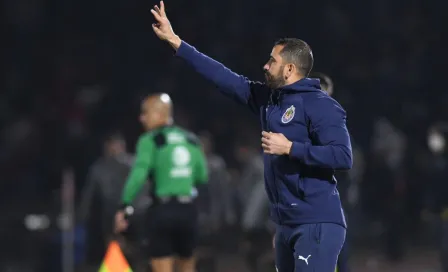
(270, 158)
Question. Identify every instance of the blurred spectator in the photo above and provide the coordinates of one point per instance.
(72, 69)
(385, 182)
(221, 210)
(102, 194)
(437, 164)
(254, 205)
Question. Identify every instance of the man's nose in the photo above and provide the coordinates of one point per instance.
(266, 68)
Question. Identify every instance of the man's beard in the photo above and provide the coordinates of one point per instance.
(274, 82)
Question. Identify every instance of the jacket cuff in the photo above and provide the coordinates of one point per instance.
(297, 151)
(184, 50)
(127, 209)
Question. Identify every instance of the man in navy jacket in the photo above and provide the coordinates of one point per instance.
(304, 138)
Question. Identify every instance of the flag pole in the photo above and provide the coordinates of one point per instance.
(68, 220)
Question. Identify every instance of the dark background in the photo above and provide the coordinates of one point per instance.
(76, 70)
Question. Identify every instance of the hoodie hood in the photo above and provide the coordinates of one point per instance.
(303, 85)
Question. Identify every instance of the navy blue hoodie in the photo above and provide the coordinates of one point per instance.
(301, 187)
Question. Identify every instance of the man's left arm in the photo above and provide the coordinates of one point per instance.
(140, 169)
(329, 130)
(200, 168)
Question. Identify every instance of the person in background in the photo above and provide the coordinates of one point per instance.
(101, 194)
(255, 205)
(325, 82)
(172, 159)
(215, 207)
(384, 176)
(437, 165)
(221, 211)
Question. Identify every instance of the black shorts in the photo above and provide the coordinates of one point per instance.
(172, 230)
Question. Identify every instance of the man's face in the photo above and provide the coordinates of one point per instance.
(149, 117)
(114, 147)
(274, 69)
(436, 141)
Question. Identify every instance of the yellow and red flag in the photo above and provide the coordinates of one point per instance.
(114, 261)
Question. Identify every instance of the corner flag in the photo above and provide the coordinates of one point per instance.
(114, 261)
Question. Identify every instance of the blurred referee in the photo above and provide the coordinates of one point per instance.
(172, 159)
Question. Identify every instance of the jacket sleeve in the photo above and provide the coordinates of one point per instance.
(239, 88)
(139, 172)
(200, 169)
(331, 147)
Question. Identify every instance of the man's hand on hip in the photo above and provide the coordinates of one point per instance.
(163, 27)
(275, 143)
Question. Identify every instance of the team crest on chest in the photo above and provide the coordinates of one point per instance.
(288, 115)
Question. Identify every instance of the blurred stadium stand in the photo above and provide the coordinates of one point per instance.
(75, 70)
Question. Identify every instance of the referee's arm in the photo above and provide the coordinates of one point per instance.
(139, 172)
(200, 169)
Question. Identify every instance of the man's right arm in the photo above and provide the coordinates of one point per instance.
(233, 85)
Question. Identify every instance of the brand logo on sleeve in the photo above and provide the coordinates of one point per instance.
(288, 115)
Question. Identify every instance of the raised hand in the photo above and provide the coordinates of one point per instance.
(163, 28)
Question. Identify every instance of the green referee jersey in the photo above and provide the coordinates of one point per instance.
(172, 158)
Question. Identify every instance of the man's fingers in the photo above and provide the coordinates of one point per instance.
(265, 140)
(162, 8)
(156, 16)
(266, 134)
(156, 29)
(156, 8)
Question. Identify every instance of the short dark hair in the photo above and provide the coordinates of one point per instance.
(113, 136)
(297, 52)
(325, 81)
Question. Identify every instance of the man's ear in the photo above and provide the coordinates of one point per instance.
(290, 69)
